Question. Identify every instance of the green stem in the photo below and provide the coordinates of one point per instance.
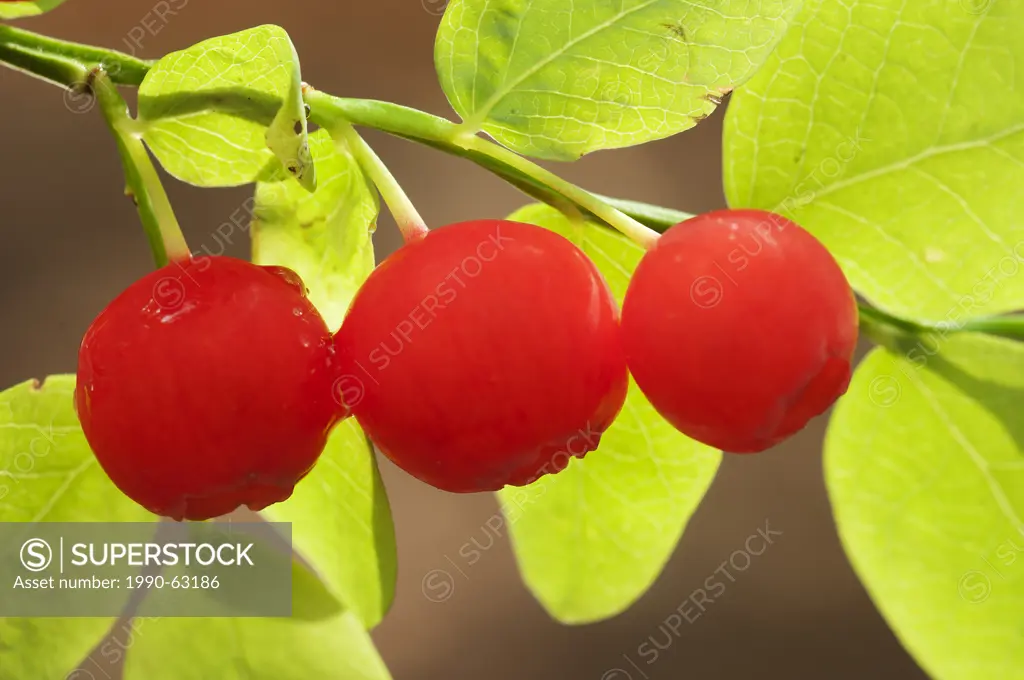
(121, 68)
(51, 68)
(62, 62)
(653, 216)
(144, 185)
(402, 209)
(635, 231)
(1009, 326)
(447, 136)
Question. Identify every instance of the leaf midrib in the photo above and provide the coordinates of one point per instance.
(478, 118)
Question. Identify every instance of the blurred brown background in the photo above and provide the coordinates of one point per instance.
(71, 242)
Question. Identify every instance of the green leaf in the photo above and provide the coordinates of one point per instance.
(47, 647)
(320, 639)
(178, 113)
(893, 131)
(336, 648)
(342, 525)
(325, 235)
(560, 78)
(924, 467)
(340, 513)
(16, 10)
(592, 539)
(49, 474)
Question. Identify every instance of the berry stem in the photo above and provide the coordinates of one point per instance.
(62, 62)
(654, 216)
(632, 229)
(1009, 326)
(884, 325)
(442, 134)
(144, 186)
(402, 209)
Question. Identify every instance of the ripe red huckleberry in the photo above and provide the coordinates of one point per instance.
(484, 354)
(739, 327)
(207, 385)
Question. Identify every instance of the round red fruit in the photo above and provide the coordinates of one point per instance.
(485, 354)
(739, 327)
(208, 385)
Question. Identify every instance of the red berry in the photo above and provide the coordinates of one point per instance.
(485, 354)
(206, 386)
(739, 327)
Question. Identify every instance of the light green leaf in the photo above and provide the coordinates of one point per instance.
(924, 467)
(592, 539)
(340, 513)
(49, 474)
(342, 525)
(320, 640)
(561, 78)
(336, 648)
(197, 144)
(47, 470)
(324, 236)
(894, 131)
(47, 647)
(15, 10)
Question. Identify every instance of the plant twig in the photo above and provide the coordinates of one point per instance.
(630, 228)
(402, 209)
(121, 68)
(64, 63)
(144, 185)
(440, 133)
